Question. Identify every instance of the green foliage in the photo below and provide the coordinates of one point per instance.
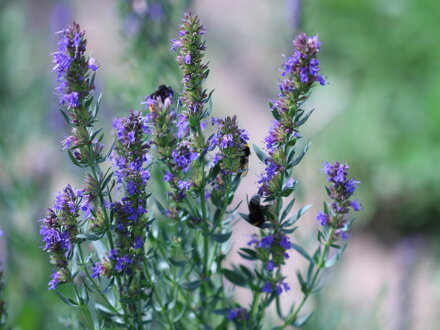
(382, 60)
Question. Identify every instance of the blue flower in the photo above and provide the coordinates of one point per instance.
(356, 205)
(70, 99)
(93, 64)
(323, 218)
(138, 243)
(285, 242)
(270, 266)
(168, 176)
(184, 185)
(232, 314)
(267, 288)
(266, 242)
(55, 281)
(238, 313)
(351, 185)
(183, 155)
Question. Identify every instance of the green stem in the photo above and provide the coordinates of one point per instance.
(94, 284)
(255, 303)
(96, 170)
(311, 288)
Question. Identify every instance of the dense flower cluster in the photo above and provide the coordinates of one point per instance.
(59, 230)
(299, 72)
(303, 64)
(73, 67)
(75, 75)
(190, 47)
(130, 159)
(232, 144)
(272, 249)
(183, 155)
(340, 190)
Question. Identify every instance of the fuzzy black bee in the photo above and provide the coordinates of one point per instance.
(257, 212)
(244, 160)
(163, 92)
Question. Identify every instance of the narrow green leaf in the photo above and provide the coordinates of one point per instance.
(234, 209)
(287, 209)
(304, 119)
(310, 273)
(73, 159)
(108, 153)
(234, 277)
(67, 300)
(289, 230)
(248, 254)
(221, 238)
(302, 320)
(301, 251)
(91, 236)
(330, 262)
(95, 134)
(245, 217)
(246, 271)
(300, 157)
(66, 117)
(181, 312)
(276, 114)
(260, 153)
(296, 217)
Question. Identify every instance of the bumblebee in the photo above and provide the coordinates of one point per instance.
(244, 159)
(163, 92)
(257, 212)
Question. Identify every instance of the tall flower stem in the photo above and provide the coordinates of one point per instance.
(321, 264)
(94, 284)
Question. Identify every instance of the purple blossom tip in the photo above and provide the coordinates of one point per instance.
(93, 64)
(356, 205)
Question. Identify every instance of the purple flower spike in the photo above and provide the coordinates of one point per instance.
(340, 191)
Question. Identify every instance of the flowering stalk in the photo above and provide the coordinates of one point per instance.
(335, 226)
(59, 231)
(190, 47)
(299, 73)
(75, 73)
(130, 222)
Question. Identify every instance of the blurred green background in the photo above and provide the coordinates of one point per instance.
(380, 113)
